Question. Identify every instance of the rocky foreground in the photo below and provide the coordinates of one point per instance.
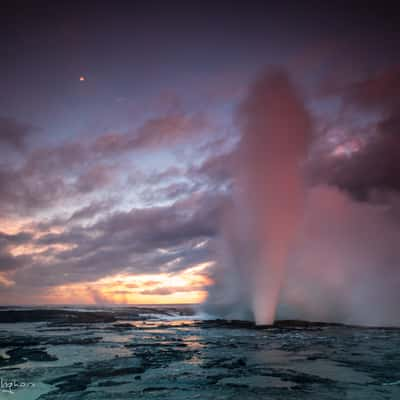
(165, 353)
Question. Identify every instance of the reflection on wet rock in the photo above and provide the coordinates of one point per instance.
(169, 354)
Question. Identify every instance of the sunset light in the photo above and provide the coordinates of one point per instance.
(199, 200)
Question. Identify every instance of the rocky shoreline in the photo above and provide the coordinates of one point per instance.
(131, 353)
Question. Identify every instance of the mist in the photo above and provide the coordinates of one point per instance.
(346, 265)
(268, 202)
(293, 249)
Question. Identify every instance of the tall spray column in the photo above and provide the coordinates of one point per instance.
(276, 130)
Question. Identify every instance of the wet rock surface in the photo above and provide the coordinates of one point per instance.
(147, 354)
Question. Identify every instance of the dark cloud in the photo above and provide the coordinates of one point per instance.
(154, 133)
(26, 182)
(14, 239)
(20, 193)
(41, 180)
(157, 239)
(93, 209)
(375, 165)
(60, 158)
(172, 192)
(49, 174)
(9, 262)
(218, 168)
(165, 175)
(379, 92)
(94, 178)
(13, 134)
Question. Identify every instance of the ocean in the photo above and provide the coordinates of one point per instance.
(173, 352)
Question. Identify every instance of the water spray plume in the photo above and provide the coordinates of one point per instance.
(269, 191)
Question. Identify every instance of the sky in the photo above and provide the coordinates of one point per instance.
(121, 141)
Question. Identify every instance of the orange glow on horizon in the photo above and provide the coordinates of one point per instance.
(186, 287)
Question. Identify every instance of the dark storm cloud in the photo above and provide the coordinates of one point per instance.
(13, 134)
(20, 192)
(376, 165)
(129, 241)
(176, 190)
(9, 262)
(189, 256)
(154, 133)
(24, 190)
(71, 236)
(60, 158)
(379, 92)
(171, 192)
(94, 178)
(156, 227)
(40, 180)
(164, 176)
(49, 174)
(14, 239)
(217, 168)
(93, 209)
